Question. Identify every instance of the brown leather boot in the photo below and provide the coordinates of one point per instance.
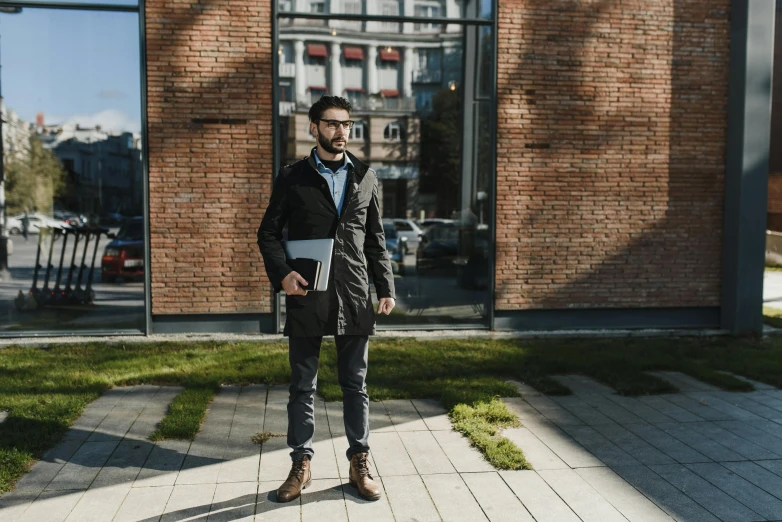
(299, 478)
(361, 479)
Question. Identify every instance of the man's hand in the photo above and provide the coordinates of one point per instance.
(293, 283)
(385, 305)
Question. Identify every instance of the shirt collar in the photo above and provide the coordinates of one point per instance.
(346, 162)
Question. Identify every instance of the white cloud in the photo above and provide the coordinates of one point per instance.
(112, 121)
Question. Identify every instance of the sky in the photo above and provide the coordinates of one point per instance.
(74, 66)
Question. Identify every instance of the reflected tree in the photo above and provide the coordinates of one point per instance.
(34, 180)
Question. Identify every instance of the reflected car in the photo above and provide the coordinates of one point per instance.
(438, 248)
(124, 256)
(410, 231)
(394, 243)
(37, 221)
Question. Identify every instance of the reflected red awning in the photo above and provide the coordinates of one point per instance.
(317, 88)
(389, 93)
(389, 56)
(353, 53)
(354, 89)
(317, 50)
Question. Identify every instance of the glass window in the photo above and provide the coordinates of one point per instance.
(428, 133)
(352, 7)
(426, 10)
(74, 184)
(317, 6)
(392, 132)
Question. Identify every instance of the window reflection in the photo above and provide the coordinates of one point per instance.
(74, 177)
(409, 99)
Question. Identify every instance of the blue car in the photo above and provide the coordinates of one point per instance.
(395, 245)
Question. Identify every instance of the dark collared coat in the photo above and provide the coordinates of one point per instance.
(301, 200)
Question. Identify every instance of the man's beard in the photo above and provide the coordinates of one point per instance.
(328, 147)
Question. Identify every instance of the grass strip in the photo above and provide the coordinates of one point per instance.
(481, 423)
(185, 415)
(46, 389)
(772, 316)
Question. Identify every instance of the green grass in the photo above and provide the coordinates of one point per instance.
(774, 268)
(46, 389)
(772, 316)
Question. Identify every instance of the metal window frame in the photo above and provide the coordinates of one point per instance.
(139, 9)
(493, 22)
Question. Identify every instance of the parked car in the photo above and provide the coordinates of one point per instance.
(410, 231)
(438, 248)
(428, 222)
(394, 244)
(124, 256)
(37, 221)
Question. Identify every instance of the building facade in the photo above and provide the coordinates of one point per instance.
(543, 165)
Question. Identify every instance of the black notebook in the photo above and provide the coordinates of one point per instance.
(309, 269)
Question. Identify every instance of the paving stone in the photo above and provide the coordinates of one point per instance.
(702, 409)
(704, 445)
(269, 510)
(670, 409)
(537, 454)
(390, 455)
(323, 500)
(567, 449)
(189, 501)
(83, 467)
(611, 409)
(409, 499)
(537, 496)
(633, 445)
(275, 460)
(51, 506)
(325, 463)
(43, 471)
(3, 416)
(677, 504)
(336, 419)
(553, 411)
(434, 415)
(99, 504)
(774, 466)
(639, 408)
(14, 503)
(768, 426)
(741, 400)
(163, 464)
(524, 389)
(757, 384)
(360, 510)
(675, 449)
(242, 457)
(632, 504)
(497, 500)
(740, 489)
(754, 435)
(426, 454)
(379, 419)
(583, 411)
(453, 498)
(114, 426)
(768, 401)
(580, 496)
(463, 457)
(124, 465)
(698, 489)
(738, 444)
(758, 475)
(583, 385)
(726, 407)
(404, 415)
(234, 502)
(599, 446)
(684, 382)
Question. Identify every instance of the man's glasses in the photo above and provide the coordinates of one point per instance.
(333, 124)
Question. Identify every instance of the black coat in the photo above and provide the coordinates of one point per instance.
(301, 200)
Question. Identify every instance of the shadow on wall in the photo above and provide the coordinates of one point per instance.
(618, 191)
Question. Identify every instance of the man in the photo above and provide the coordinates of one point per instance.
(329, 194)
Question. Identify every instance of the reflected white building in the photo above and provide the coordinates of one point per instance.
(16, 133)
(104, 169)
(388, 70)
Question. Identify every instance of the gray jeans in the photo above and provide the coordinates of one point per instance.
(303, 353)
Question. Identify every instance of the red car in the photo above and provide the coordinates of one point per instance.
(124, 256)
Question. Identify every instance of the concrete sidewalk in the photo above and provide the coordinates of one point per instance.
(700, 455)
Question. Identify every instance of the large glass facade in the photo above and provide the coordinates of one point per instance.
(73, 182)
(422, 90)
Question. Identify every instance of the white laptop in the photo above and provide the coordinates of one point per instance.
(318, 249)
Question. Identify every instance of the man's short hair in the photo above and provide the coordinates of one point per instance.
(325, 103)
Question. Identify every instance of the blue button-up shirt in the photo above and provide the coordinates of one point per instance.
(337, 181)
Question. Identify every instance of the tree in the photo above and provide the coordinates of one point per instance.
(441, 151)
(33, 179)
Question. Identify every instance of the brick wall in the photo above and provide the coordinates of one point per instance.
(209, 182)
(611, 152)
